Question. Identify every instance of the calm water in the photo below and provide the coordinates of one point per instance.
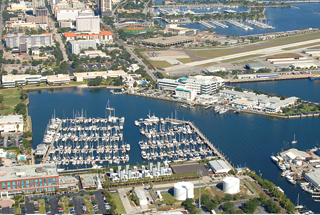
(283, 19)
(244, 138)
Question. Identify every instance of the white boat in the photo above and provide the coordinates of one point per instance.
(223, 111)
(294, 139)
(136, 123)
(291, 180)
(274, 159)
(281, 166)
(217, 109)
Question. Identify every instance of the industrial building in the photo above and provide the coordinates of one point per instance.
(36, 40)
(105, 7)
(28, 179)
(90, 180)
(142, 197)
(231, 185)
(255, 66)
(313, 177)
(88, 23)
(75, 46)
(173, 28)
(68, 182)
(219, 166)
(312, 52)
(104, 37)
(183, 190)
(11, 123)
(306, 65)
(167, 41)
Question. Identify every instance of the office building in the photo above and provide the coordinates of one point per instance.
(41, 11)
(28, 179)
(105, 7)
(36, 40)
(36, 4)
(75, 46)
(104, 37)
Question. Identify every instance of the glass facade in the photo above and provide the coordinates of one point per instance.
(27, 183)
(22, 183)
(44, 182)
(53, 181)
(9, 185)
(36, 183)
(4, 186)
(13, 185)
(49, 181)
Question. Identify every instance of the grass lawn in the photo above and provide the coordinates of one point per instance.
(34, 85)
(78, 83)
(196, 192)
(18, 210)
(307, 108)
(240, 58)
(116, 199)
(302, 46)
(65, 205)
(216, 52)
(208, 64)
(160, 63)
(283, 55)
(11, 99)
(253, 186)
(217, 192)
(42, 206)
(185, 60)
(292, 112)
(88, 204)
(168, 199)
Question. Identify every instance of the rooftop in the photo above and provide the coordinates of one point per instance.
(89, 180)
(11, 118)
(28, 171)
(168, 40)
(242, 101)
(102, 73)
(314, 175)
(141, 195)
(72, 34)
(219, 165)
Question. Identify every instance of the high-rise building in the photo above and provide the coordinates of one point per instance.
(88, 24)
(41, 11)
(105, 7)
(37, 40)
(36, 4)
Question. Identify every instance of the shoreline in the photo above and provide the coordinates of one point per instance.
(70, 86)
(245, 80)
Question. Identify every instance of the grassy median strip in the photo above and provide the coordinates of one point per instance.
(116, 199)
(185, 60)
(88, 204)
(240, 58)
(65, 205)
(42, 206)
(160, 63)
(302, 46)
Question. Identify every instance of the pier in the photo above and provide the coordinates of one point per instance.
(219, 24)
(206, 24)
(260, 24)
(51, 144)
(240, 25)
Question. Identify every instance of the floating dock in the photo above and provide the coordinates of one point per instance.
(260, 24)
(240, 25)
(219, 24)
(207, 24)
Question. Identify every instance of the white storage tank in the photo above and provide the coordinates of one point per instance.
(231, 185)
(183, 190)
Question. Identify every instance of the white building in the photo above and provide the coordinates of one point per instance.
(11, 123)
(67, 14)
(88, 23)
(185, 94)
(142, 197)
(9, 81)
(242, 104)
(81, 76)
(313, 177)
(76, 46)
(167, 84)
(58, 79)
(219, 166)
(274, 108)
(36, 40)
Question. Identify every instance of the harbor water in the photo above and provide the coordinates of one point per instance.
(282, 18)
(244, 138)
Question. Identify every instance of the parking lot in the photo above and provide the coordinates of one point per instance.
(192, 168)
(56, 205)
(10, 140)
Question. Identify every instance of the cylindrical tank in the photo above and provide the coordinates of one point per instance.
(183, 190)
(231, 185)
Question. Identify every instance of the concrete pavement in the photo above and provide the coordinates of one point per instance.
(129, 209)
(265, 51)
(57, 37)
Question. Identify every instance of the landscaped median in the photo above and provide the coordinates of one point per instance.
(89, 205)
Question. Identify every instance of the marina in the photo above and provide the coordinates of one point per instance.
(240, 25)
(206, 24)
(219, 24)
(260, 24)
(86, 142)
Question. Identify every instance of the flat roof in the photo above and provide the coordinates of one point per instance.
(100, 73)
(141, 195)
(28, 171)
(67, 179)
(11, 118)
(10, 78)
(218, 165)
(314, 176)
(242, 101)
(59, 77)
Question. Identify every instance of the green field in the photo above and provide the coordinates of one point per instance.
(138, 30)
(302, 46)
(208, 64)
(120, 208)
(283, 55)
(218, 52)
(185, 60)
(240, 58)
(160, 63)
(11, 99)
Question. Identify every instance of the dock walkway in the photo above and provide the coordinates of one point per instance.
(203, 138)
(52, 142)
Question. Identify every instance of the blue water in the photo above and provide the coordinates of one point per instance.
(244, 138)
(283, 19)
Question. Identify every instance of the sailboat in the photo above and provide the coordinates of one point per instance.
(294, 139)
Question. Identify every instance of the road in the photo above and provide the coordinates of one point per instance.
(129, 209)
(57, 36)
(1, 22)
(265, 51)
(121, 43)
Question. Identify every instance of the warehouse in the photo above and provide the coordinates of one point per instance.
(142, 197)
(219, 166)
(313, 177)
(167, 41)
(292, 61)
(312, 52)
(303, 65)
